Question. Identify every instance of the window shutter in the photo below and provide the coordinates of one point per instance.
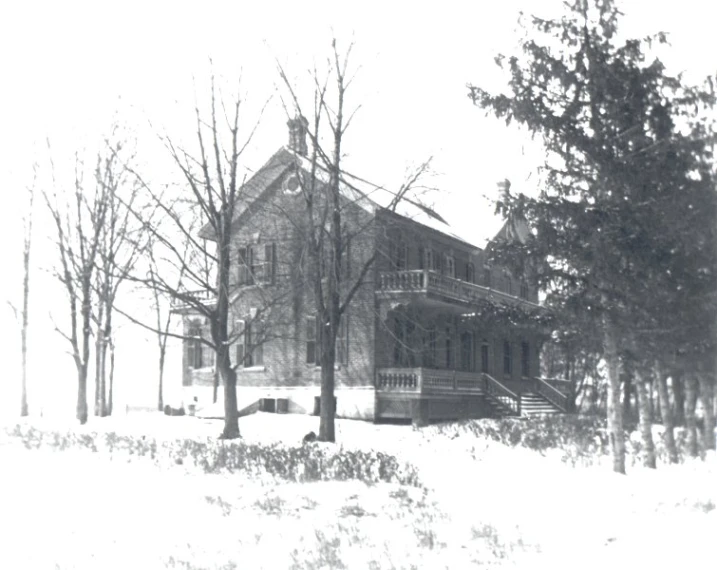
(241, 266)
(421, 258)
(311, 340)
(269, 263)
(240, 344)
(257, 353)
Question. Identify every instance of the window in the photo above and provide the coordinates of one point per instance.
(250, 343)
(484, 356)
(245, 262)
(399, 255)
(429, 348)
(508, 285)
(312, 341)
(525, 359)
(467, 352)
(507, 358)
(269, 263)
(524, 293)
(194, 346)
(450, 357)
(487, 277)
(470, 273)
(342, 342)
(402, 334)
(450, 265)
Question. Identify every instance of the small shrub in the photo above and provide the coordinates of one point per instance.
(300, 463)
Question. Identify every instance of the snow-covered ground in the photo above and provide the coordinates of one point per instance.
(485, 503)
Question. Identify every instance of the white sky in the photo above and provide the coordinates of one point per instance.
(66, 67)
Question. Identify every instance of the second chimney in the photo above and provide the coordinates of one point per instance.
(297, 135)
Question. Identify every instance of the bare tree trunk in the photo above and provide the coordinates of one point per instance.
(81, 408)
(110, 395)
(24, 411)
(614, 409)
(707, 396)
(327, 427)
(215, 387)
(160, 394)
(98, 359)
(626, 396)
(666, 413)
(678, 397)
(27, 246)
(690, 419)
(231, 411)
(643, 402)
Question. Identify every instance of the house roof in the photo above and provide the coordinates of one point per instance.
(369, 196)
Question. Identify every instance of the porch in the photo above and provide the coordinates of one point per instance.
(428, 394)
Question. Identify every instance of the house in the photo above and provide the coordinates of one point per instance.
(427, 336)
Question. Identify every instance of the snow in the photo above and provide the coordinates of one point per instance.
(484, 503)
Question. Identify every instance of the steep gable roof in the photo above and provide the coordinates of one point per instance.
(369, 196)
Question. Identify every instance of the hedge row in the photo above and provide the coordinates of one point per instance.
(578, 439)
(308, 462)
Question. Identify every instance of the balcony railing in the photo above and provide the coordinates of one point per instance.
(205, 296)
(432, 282)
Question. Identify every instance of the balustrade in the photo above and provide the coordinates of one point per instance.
(433, 282)
(552, 394)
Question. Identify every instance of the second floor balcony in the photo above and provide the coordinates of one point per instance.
(433, 285)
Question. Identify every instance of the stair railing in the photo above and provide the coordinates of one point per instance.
(552, 394)
(501, 393)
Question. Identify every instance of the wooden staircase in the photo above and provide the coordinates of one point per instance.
(503, 402)
(532, 404)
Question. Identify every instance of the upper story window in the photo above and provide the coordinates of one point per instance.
(524, 291)
(487, 277)
(428, 259)
(470, 273)
(450, 266)
(256, 264)
(508, 285)
(399, 255)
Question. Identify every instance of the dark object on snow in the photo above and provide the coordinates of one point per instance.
(169, 411)
(309, 437)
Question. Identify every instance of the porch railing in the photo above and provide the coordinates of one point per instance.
(501, 393)
(552, 394)
(399, 379)
(427, 380)
(425, 281)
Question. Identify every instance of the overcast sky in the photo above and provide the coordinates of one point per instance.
(67, 67)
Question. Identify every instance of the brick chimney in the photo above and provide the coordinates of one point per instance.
(297, 135)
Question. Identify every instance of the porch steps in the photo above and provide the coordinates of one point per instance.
(532, 404)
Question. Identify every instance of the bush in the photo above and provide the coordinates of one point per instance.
(307, 462)
(579, 439)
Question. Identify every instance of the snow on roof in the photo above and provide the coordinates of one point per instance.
(373, 198)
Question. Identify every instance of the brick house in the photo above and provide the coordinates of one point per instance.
(412, 344)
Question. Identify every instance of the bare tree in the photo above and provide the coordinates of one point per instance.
(326, 233)
(23, 317)
(195, 268)
(79, 216)
(121, 242)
